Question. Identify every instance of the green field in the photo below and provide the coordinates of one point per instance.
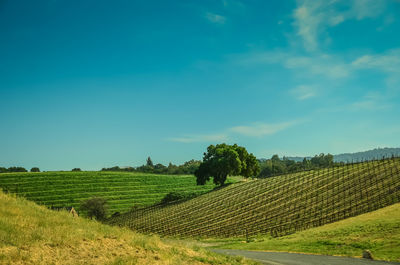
(122, 190)
(276, 206)
(32, 234)
(378, 231)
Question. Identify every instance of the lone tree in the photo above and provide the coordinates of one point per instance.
(222, 160)
(95, 207)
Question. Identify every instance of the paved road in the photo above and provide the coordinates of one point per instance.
(282, 258)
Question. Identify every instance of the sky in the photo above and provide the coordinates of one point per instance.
(95, 84)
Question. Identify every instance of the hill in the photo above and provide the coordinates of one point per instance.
(32, 234)
(378, 231)
(122, 190)
(377, 153)
(278, 205)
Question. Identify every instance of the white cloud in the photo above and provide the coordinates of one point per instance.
(200, 138)
(313, 18)
(215, 18)
(262, 129)
(304, 92)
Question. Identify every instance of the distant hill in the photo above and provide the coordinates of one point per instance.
(377, 153)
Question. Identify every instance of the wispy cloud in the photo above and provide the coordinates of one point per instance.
(215, 18)
(233, 4)
(325, 65)
(361, 9)
(372, 101)
(200, 138)
(312, 18)
(258, 129)
(262, 129)
(304, 92)
(388, 62)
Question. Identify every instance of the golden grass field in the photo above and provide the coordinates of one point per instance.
(32, 234)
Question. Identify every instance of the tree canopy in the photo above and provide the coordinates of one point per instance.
(223, 160)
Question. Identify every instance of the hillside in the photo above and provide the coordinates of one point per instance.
(278, 205)
(378, 231)
(32, 234)
(121, 190)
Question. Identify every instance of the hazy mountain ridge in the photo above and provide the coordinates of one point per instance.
(376, 153)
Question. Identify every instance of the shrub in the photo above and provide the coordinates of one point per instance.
(95, 207)
(177, 196)
(35, 169)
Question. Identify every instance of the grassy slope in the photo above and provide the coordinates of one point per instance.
(276, 206)
(32, 234)
(378, 231)
(122, 190)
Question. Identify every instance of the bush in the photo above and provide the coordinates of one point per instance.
(177, 196)
(116, 214)
(95, 207)
(76, 169)
(35, 169)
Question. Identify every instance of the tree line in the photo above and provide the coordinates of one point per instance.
(17, 169)
(277, 166)
(188, 168)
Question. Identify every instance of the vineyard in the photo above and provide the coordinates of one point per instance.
(121, 190)
(278, 206)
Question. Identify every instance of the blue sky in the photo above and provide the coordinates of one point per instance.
(93, 84)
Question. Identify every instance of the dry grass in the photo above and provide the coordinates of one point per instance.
(32, 234)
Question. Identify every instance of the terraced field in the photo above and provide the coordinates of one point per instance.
(278, 206)
(122, 190)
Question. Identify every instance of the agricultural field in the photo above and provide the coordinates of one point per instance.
(32, 234)
(122, 190)
(275, 206)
